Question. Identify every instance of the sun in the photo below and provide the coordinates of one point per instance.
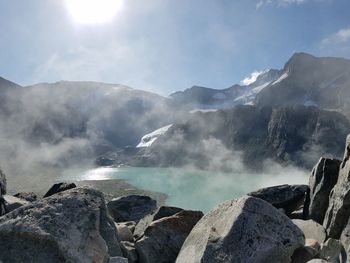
(93, 11)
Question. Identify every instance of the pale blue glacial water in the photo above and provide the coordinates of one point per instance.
(195, 189)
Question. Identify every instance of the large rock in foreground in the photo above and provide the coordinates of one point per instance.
(288, 197)
(338, 212)
(322, 180)
(163, 239)
(247, 230)
(131, 207)
(70, 226)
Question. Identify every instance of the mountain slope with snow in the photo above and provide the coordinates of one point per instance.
(201, 98)
(307, 80)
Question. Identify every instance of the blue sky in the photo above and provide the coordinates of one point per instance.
(167, 45)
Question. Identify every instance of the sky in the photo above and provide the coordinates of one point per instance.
(166, 45)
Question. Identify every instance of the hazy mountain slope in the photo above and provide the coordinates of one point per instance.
(308, 80)
(294, 135)
(68, 122)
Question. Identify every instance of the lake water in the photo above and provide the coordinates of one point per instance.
(193, 189)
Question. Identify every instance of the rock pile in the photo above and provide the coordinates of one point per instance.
(74, 224)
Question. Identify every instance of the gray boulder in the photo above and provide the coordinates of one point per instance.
(287, 197)
(338, 211)
(13, 203)
(2, 183)
(311, 229)
(71, 226)
(118, 260)
(2, 192)
(331, 250)
(124, 232)
(163, 239)
(163, 211)
(246, 230)
(30, 197)
(322, 180)
(60, 187)
(303, 255)
(131, 207)
(129, 251)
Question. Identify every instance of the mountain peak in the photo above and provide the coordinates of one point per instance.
(4, 83)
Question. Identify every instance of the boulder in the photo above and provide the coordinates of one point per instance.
(60, 187)
(322, 180)
(13, 203)
(338, 211)
(30, 197)
(129, 251)
(71, 226)
(2, 183)
(311, 229)
(288, 197)
(131, 207)
(331, 250)
(118, 260)
(313, 243)
(2, 192)
(303, 255)
(163, 211)
(243, 230)
(163, 239)
(124, 232)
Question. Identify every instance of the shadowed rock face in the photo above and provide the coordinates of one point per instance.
(2, 192)
(244, 230)
(60, 187)
(293, 135)
(131, 207)
(288, 197)
(2, 183)
(69, 226)
(162, 240)
(338, 212)
(322, 180)
(310, 80)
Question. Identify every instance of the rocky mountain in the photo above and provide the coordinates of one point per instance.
(304, 80)
(68, 122)
(296, 135)
(289, 115)
(207, 98)
(307, 80)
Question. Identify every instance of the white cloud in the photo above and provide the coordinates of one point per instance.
(281, 3)
(342, 36)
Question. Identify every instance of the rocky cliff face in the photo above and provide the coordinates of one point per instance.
(307, 80)
(296, 135)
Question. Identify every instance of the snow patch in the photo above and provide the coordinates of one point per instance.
(252, 78)
(283, 76)
(148, 139)
(248, 97)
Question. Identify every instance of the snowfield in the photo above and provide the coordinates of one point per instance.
(148, 139)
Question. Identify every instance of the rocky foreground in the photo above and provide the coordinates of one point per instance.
(280, 224)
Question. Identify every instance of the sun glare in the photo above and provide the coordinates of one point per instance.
(93, 11)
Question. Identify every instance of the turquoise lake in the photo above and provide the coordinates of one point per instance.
(194, 189)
